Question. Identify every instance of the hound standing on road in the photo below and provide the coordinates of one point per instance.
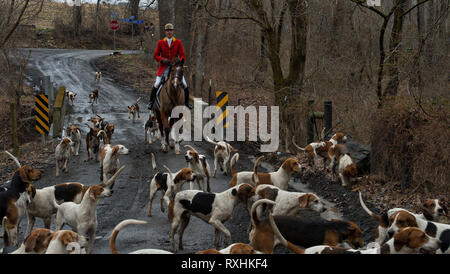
(198, 163)
(222, 153)
(83, 217)
(213, 208)
(62, 154)
(98, 77)
(109, 160)
(134, 110)
(74, 133)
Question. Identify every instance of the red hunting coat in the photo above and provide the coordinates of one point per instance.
(164, 51)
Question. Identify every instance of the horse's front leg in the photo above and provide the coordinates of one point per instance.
(164, 129)
(166, 138)
(175, 135)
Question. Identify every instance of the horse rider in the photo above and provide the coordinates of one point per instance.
(166, 50)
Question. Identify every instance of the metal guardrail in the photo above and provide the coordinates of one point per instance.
(56, 104)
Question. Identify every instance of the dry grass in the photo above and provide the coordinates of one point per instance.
(53, 28)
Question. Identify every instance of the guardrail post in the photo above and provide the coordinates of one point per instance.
(59, 112)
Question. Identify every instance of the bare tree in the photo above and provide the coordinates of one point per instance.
(390, 58)
(77, 20)
(13, 13)
(12, 78)
(271, 16)
(201, 28)
(183, 19)
(166, 14)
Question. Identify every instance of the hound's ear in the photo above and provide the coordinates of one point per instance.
(234, 192)
(92, 195)
(115, 150)
(24, 175)
(129, 107)
(33, 190)
(30, 243)
(68, 238)
(303, 200)
(400, 239)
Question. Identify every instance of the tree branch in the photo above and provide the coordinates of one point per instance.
(413, 7)
(246, 17)
(369, 8)
(15, 25)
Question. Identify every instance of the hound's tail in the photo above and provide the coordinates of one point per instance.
(155, 170)
(112, 240)
(293, 142)
(55, 204)
(104, 135)
(233, 161)
(283, 241)
(383, 221)
(255, 177)
(211, 141)
(14, 158)
(255, 221)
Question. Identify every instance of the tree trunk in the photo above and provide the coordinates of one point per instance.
(77, 20)
(134, 11)
(97, 16)
(14, 133)
(201, 35)
(430, 18)
(263, 54)
(337, 27)
(443, 12)
(417, 72)
(289, 88)
(166, 14)
(395, 47)
(182, 24)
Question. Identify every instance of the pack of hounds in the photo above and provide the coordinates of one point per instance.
(272, 208)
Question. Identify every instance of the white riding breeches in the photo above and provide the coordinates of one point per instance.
(165, 74)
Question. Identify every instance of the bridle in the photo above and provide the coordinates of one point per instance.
(177, 76)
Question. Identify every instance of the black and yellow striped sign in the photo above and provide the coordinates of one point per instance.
(41, 114)
(222, 103)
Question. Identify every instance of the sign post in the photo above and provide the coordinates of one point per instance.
(114, 25)
(42, 116)
(222, 103)
(132, 21)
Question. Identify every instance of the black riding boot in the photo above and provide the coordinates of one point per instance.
(152, 98)
(186, 98)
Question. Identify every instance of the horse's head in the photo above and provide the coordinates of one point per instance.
(177, 73)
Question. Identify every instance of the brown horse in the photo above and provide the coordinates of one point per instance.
(171, 95)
